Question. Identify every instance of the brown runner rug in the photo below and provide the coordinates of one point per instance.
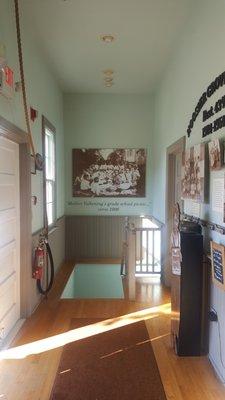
(115, 365)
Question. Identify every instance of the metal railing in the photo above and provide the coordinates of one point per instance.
(123, 267)
(148, 250)
(146, 246)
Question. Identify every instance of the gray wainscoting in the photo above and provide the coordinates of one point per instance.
(57, 243)
(94, 236)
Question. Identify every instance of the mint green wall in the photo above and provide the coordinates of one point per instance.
(107, 121)
(43, 94)
(198, 59)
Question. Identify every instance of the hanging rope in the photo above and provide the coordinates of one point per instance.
(43, 239)
(20, 54)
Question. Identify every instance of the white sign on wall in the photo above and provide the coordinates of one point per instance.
(192, 208)
(217, 195)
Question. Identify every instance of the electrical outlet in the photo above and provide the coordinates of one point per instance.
(213, 317)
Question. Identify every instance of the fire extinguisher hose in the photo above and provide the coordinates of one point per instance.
(49, 285)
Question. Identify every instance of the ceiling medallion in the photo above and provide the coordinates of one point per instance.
(108, 79)
(107, 38)
(108, 84)
(108, 72)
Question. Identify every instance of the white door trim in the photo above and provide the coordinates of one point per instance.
(15, 134)
(172, 151)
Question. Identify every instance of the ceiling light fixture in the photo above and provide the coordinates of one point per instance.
(108, 72)
(107, 38)
(107, 79)
(108, 84)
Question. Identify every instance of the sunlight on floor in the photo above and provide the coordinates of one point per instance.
(65, 371)
(160, 337)
(73, 335)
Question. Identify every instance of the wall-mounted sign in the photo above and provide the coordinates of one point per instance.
(218, 264)
(109, 172)
(176, 261)
(217, 196)
(218, 123)
(176, 256)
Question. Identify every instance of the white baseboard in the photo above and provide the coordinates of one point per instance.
(216, 369)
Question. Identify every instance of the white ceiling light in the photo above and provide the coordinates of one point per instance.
(108, 84)
(108, 38)
(108, 72)
(108, 79)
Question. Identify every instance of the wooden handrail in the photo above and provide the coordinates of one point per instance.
(131, 226)
(155, 220)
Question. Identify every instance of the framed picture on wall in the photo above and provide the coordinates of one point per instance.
(109, 172)
(215, 155)
(218, 264)
(193, 173)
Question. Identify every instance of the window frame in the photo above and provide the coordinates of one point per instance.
(47, 125)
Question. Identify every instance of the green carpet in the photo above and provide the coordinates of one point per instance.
(94, 281)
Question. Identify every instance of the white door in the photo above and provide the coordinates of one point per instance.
(9, 237)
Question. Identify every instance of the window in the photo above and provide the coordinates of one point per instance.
(49, 171)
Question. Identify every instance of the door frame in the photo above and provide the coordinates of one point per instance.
(171, 152)
(11, 132)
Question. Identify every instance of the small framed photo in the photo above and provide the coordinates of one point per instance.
(218, 264)
(193, 173)
(215, 155)
(32, 165)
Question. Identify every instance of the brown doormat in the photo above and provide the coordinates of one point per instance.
(115, 365)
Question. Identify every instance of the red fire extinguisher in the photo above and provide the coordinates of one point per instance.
(38, 262)
(43, 261)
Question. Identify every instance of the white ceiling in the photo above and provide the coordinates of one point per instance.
(68, 32)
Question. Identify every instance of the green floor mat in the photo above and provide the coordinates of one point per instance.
(94, 281)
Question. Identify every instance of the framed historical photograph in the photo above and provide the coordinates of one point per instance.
(109, 172)
(193, 173)
(215, 155)
(218, 264)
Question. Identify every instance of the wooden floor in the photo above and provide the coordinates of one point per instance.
(31, 378)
